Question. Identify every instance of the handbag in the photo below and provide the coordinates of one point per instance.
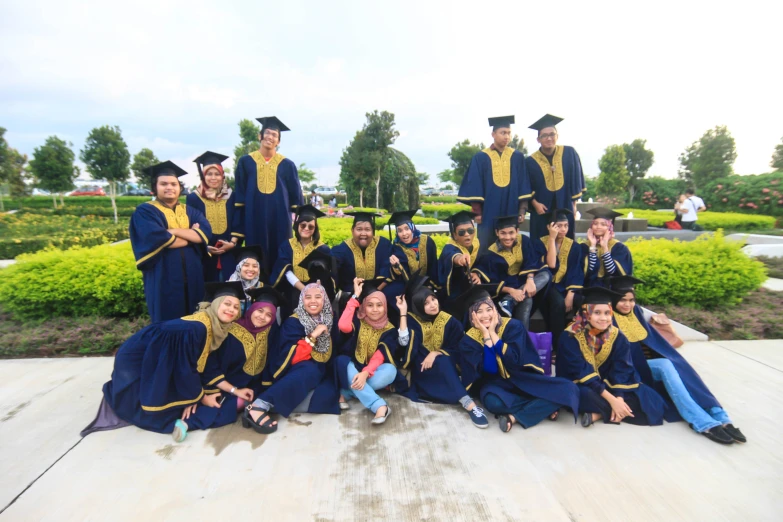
(664, 327)
(542, 341)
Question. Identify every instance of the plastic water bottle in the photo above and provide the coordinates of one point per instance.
(630, 215)
(590, 200)
(578, 215)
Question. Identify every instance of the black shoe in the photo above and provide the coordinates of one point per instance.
(735, 433)
(719, 435)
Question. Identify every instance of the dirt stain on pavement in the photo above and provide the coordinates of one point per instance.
(167, 451)
(225, 436)
(295, 419)
(11, 414)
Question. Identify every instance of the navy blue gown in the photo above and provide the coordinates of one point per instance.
(427, 262)
(373, 262)
(226, 223)
(622, 260)
(454, 279)
(558, 189)
(173, 277)
(289, 256)
(508, 267)
(568, 273)
(266, 195)
(500, 183)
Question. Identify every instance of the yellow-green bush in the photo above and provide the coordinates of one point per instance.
(443, 211)
(707, 220)
(101, 280)
(705, 273)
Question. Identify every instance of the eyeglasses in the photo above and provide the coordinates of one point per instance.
(548, 135)
(464, 231)
(306, 226)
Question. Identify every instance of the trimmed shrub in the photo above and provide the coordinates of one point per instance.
(438, 199)
(708, 272)
(441, 212)
(78, 282)
(707, 220)
(336, 230)
(761, 194)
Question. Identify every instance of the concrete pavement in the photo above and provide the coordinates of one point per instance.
(427, 463)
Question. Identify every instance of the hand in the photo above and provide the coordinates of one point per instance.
(358, 284)
(477, 324)
(517, 294)
(521, 218)
(244, 393)
(540, 208)
(461, 260)
(188, 411)
(394, 260)
(591, 239)
(427, 362)
(318, 331)
(358, 380)
(228, 245)
(195, 226)
(214, 250)
(493, 324)
(530, 287)
(402, 306)
(620, 409)
(605, 241)
(552, 230)
(474, 278)
(569, 301)
(478, 220)
(211, 400)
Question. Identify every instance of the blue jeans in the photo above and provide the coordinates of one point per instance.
(384, 376)
(663, 371)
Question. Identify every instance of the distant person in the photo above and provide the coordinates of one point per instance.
(496, 183)
(316, 200)
(333, 202)
(678, 208)
(169, 241)
(690, 209)
(556, 177)
(267, 191)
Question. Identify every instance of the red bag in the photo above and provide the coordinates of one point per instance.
(672, 225)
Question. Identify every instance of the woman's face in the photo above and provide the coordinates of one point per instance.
(213, 178)
(405, 233)
(314, 301)
(228, 310)
(306, 229)
(431, 305)
(600, 227)
(562, 229)
(601, 317)
(626, 304)
(261, 317)
(249, 270)
(374, 308)
(485, 313)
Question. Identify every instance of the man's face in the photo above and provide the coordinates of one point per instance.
(547, 138)
(464, 233)
(507, 236)
(270, 138)
(167, 188)
(362, 233)
(502, 137)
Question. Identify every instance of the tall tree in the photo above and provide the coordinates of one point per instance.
(711, 157)
(141, 160)
(777, 156)
(461, 155)
(638, 160)
(17, 176)
(306, 175)
(446, 176)
(613, 178)
(518, 143)
(52, 166)
(248, 135)
(106, 156)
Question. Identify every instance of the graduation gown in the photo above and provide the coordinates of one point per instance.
(358, 348)
(558, 189)
(441, 383)
(293, 382)
(163, 368)
(427, 263)
(226, 223)
(640, 334)
(568, 273)
(519, 369)
(266, 195)
(499, 183)
(508, 267)
(454, 279)
(611, 369)
(173, 277)
(622, 260)
(373, 262)
(289, 256)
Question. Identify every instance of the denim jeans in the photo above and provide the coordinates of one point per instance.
(384, 376)
(522, 310)
(663, 371)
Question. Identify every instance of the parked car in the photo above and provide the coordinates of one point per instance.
(449, 193)
(426, 192)
(138, 192)
(88, 191)
(41, 192)
(326, 191)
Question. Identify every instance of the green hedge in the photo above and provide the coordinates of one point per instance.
(707, 220)
(439, 199)
(336, 230)
(762, 194)
(78, 282)
(708, 272)
(443, 211)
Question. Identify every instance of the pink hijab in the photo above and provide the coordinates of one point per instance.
(247, 323)
(362, 314)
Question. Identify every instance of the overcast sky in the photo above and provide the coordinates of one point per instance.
(178, 76)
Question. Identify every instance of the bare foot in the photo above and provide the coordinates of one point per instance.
(257, 414)
(381, 412)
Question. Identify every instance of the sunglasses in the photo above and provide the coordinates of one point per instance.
(306, 226)
(464, 231)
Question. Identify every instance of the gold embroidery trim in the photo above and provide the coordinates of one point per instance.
(266, 173)
(513, 257)
(177, 218)
(501, 166)
(367, 340)
(553, 178)
(322, 357)
(562, 256)
(631, 327)
(299, 255)
(216, 214)
(255, 348)
(433, 332)
(473, 255)
(597, 359)
(364, 262)
(413, 263)
(202, 318)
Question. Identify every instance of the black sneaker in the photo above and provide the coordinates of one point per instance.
(719, 435)
(735, 433)
(506, 307)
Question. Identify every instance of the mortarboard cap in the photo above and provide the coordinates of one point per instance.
(210, 158)
(501, 122)
(307, 213)
(266, 294)
(599, 295)
(473, 294)
(624, 283)
(402, 217)
(460, 218)
(506, 221)
(214, 290)
(370, 286)
(546, 121)
(358, 217)
(249, 252)
(271, 122)
(166, 168)
(558, 215)
(322, 267)
(603, 213)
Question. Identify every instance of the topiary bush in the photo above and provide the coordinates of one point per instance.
(441, 212)
(101, 281)
(438, 199)
(708, 272)
(707, 220)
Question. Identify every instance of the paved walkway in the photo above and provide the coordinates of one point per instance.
(426, 463)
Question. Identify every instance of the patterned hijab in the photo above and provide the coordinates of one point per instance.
(224, 192)
(414, 244)
(595, 337)
(309, 322)
(219, 328)
(247, 284)
(362, 314)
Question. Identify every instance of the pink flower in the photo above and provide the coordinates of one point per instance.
(765, 190)
(666, 199)
(725, 200)
(741, 205)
